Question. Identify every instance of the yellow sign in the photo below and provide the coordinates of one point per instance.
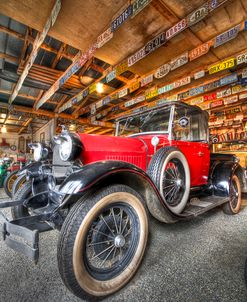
(134, 86)
(151, 94)
(222, 66)
(92, 88)
(121, 68)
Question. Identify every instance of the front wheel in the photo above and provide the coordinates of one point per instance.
(102, 242)
(24, 192)
(233, 206)
(9, 181)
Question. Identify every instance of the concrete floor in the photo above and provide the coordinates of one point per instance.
(200, 260)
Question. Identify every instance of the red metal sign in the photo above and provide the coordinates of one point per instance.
(199, 51)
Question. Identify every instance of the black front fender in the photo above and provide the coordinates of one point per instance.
(32, 167)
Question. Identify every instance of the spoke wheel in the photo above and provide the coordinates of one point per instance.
(234, 204)
(102, 242)
(8, 183)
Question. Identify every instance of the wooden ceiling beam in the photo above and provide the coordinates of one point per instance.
(36, 44)
(25, 124)
(92, 130)
(8, 57)
(59, 55)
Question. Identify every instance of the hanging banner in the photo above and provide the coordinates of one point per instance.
(227, 36)
(123, 92)
(179, 61)
(197, 15)
(162, 71)
(199, 74)
(222, 66)
(121, 18)
(230, 100)
(229, 79)
(104, 38)
(140, 54)
(134, 86)
(182, 82)
(148, 79)
(138, 6)
(155, 43)
(242, 58)
(177, 28)
(121, 68)
(199, 51)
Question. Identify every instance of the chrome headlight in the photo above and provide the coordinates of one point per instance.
(40, 151)
(70, 146)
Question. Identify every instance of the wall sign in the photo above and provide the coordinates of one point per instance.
(198, 15)
(121, 18)
(139, 5)
(183, 95)
(162, 71)
(244, 73)
(243, 96)
(197, 100)
(199, 51)
(177, 28)
(211, 86)
(227, 36)
(222, 66)
(121, 68)
(92, 88)
(179, 61)
(223, 93)
(104, 38)
(210, 97)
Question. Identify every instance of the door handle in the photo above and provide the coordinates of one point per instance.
(200, 153)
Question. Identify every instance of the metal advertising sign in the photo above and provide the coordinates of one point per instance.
(182, 82)
(197, 15)
(229, 79)
(242, 58)
(148, 79)
(199, 74)
(151, 93)
(211, 86)
(222, 66)
(223, 93)
(217, 104)
(210, 97)
(106, 100)
(179, 61)
(155, 43)
(121, 68)
(199, 51)
(177, 28)
(104, 38)
(162, 71)
(227, 36)
(139, 5)
(123, 92)
(110, 76)
(166, 88)
(134, 86)
(140, 54)
(230, 100)
(122, 18)
(196, 90)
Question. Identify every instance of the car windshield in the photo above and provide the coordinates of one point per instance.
(152, 121)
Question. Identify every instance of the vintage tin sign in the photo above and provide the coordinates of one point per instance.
(230, 100)
(134, 86)
(236, 89)
(211, 86)
(139, 5)
(222, 66)
(198, 15)
(183, 95)
(217, 104)
(172, 98)
(223, 93)
(204, 106)
(229, 79)
(196, 90)
(121, 68)
(123, 92)
(129, 103)
(197, 100)
(155, 43)
(166, 88)
(179, 61)
(182, 82)
(199, 51)
(227, 36)
(110, 76)
(162, 71)
(199, 74)
(177, 28)
(139, 99)
(104, 38)
(140, 54)
(148, 79)
(210, 97)
(151, 93)
(242, 58)
(121, 18)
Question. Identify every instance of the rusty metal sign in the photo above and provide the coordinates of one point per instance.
(197, 15)
(162, 71)
(176, 29)
(104, 38)
(222, 66)
(179, 61)
(199, 51)
(122, 18)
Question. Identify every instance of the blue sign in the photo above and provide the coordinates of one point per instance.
(244, 81)
(227, 36)
(197, 90)
(229, 79)
(122, 18)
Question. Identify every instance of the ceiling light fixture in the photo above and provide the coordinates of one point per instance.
(99, 87)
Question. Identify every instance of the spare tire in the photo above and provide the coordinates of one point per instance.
(170, 172)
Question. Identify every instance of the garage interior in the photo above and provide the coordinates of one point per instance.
(75, 63)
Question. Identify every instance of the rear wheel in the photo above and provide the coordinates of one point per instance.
(23, 193)
(233, 206)
(102, 242)
(170, 172)
(9, 181)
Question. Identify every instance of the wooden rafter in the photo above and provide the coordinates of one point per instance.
(8, 57)
(37, 42)
(59, 55)
(25, 46)
(25, 124)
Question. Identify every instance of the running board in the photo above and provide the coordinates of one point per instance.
(198, 206)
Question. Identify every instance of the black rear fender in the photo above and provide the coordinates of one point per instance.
(102, 174)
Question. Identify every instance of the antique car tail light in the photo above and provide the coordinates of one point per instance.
(40, 151)
(70, 145)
